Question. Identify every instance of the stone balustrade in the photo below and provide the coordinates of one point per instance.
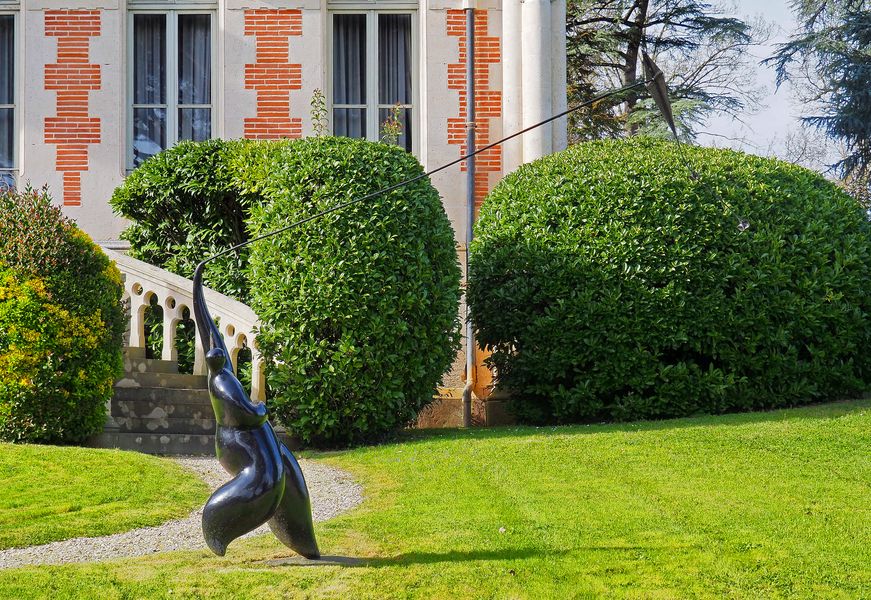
(236, 321)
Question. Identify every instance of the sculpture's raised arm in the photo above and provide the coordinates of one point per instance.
(210, 336)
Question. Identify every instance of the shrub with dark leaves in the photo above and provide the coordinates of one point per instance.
(359, 307)
(183, 207)
(612, 284)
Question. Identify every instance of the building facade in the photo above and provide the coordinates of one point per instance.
(91, 88)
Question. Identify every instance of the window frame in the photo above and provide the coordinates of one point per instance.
(172, 11)
(10, 10)
(373, 122)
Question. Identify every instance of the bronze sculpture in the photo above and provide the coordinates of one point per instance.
(267, 485)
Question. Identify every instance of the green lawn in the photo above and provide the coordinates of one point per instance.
(50, 493)
(773, 505)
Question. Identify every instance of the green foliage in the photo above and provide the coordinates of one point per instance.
(829, 62)
(359, 307)
(612, 285)
(183, 208)
(62, 322)
(391, 128)
(320, 122)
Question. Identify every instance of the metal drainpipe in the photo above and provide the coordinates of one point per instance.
(470, 201)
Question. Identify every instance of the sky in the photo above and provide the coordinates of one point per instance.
(761, 133)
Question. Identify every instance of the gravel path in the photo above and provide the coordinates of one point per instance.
(332, 492)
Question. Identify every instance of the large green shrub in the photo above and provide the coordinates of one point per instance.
(61, 324)
(611, 284)
(360, 306)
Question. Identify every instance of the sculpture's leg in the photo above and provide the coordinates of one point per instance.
(239, 506)
(292, 521)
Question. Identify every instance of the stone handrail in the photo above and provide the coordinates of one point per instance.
(237, 322)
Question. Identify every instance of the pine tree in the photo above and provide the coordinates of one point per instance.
(701, 49)
(829, 60)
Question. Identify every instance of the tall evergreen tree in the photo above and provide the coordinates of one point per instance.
(702, 50)
(829, 60)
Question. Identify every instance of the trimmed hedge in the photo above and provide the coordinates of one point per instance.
(610, 284)
(183, 206)
(61, 322)
(359, 307)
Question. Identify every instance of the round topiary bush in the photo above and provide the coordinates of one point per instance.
(360, 306)
(611, 284)
(183, 206)
(61, 323)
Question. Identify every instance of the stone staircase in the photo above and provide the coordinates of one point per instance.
(157, 410)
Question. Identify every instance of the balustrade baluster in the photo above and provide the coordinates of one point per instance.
(169, 333)
(199, 357)
(258, 379)
(137, 322)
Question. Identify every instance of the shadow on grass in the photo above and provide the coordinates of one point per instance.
(415, 558)
(456, 556)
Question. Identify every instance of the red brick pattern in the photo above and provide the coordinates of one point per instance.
(488, 102)
(272, 75)
(72, 77)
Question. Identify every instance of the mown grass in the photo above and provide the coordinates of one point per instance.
(50, 493)
(772, 505)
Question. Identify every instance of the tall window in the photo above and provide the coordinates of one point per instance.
(172, 81)
(373, 71)
(7, 101)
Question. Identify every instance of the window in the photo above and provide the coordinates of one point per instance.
(7, 101)
(171, 87)
(372, 74)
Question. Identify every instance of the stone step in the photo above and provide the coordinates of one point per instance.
(145, 409)
(160, 443)
(162, 380)
(148, 365)
(162, 394)
(134, 352)
(165, 424)
(169, 443)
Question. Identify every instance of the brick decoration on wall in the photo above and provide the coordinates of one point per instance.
(272, 76)
(72, 77)
(488, 102)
